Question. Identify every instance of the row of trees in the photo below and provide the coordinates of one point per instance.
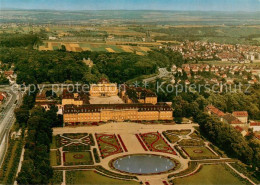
(36, 167)
(19, 40)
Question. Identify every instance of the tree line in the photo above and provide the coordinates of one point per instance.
(33, 66)
(36, 168)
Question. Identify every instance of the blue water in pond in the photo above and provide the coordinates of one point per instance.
(143, 164)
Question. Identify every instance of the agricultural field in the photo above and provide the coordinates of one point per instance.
(84, 46)
(93, 178)
(199, 152)
(211, 175)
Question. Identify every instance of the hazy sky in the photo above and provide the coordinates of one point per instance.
(219, 5)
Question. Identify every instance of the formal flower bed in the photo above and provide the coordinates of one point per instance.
(172, 138)
(197, 153)
(122, 143)
(141, 142)
(191, 142)
(108, 144)
(75, 135)
(156, 143)
(76, 147)
(179, 132)
(77, 158)
(84, 138)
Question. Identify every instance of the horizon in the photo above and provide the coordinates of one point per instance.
(142, 5)
(77, 10)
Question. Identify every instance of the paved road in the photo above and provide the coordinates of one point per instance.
(162, 73)
(6, 121)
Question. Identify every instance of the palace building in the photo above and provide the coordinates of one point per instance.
(103, 88)
(74, 98)
(137, 104)
(116, 112)
(137, 95)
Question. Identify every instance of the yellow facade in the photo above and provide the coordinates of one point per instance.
(117, 115)
(103, 89)
(72, 102)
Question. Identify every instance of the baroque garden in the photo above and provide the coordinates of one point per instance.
(117, 148)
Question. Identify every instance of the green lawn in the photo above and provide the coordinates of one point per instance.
(53, 143)
(210, 175)
(54, 158)
(78, 158)
(93, 178)
(194, 153)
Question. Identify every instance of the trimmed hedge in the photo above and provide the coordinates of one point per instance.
(73, 148)
(110, 173)
(180, 152)
(95, 152)
(191, 167)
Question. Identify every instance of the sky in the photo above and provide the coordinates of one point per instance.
(204, 5)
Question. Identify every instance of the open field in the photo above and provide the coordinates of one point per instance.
(85, 46)
(93, 178)
(210, 175)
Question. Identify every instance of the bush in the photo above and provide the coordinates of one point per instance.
(191, 167)
(97, 159)
(180, 152)
(73, 148)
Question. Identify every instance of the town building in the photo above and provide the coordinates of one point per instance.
(241, 115)
(255, 126)
(3, 96)
(210, 109)
(74, 98)
(88, 62)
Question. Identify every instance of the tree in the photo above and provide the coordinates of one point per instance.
(21, 115)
